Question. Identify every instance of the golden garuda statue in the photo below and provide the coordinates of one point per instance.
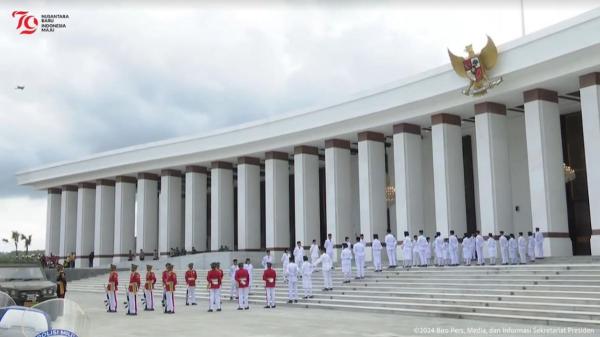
(475, 68)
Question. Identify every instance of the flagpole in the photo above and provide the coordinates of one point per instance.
(522, 19)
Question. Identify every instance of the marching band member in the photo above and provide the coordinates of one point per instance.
(270, 276)
(214, 279)
(522, 243)
(390, 246)
(148, 289)
(453, 249)
(111, 288)
(190, 280)
(329, 247)
(479, 249)
(285, 260)
(359, 258)
(266, 259)
(171, 282)
(164, 275)
(134, 285)
(531, 246)
(299, 254)
(326, 266)
(232, 269)
(242, 279)
(307, 270)
(346, 257)
(539, 244)
(492, 251)
(376, 248)
(314, 251)
(292, 281)
(503, 241)
(249, 267)
(61, 282)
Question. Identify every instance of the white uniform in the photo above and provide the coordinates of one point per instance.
(453, 249)
(512, 250)
(438, 245)
(329, 248)
(359, 259)
(299, 256)
(522, 249)
(423, 247)
(504, 249)
(376, 248)
(307, 270)
(285, 261)
(390, 246)
(292, 270)
(492, 251)
(314, 252)
(232, 269)
(407, 247)
(479, 249)
(266, 259)
(326, 265)
(249, 267)
(466, 249)
(531, 248)
(415, 253)
(446, 253)
(539, 245)
(346, 257)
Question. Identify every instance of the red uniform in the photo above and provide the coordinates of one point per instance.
(242, 278)
(269, 276)
(150, 280)
(113, 281)
(134, 282)
(191, 277)
(171, 281)
(164, 277)
(214, 278)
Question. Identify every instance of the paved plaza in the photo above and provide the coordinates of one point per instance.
(287, 321)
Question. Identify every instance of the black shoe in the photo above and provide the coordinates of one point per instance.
(295, 301)
(290, 301)
(240, 309)
(274, 307)
(219, 309)
(267, 307)
(210, 310)
(311, 296)
(246, 308)
(187, 304)
(194, 304)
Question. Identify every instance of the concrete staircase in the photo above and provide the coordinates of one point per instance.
(543, 294)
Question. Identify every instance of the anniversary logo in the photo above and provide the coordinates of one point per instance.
(47, 23)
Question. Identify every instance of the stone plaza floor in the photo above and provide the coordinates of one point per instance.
(290, 321)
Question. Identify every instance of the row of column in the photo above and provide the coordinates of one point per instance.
(80, 216)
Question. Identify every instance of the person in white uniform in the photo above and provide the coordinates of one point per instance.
(423, 246)
(539, 244)
(266, 259)
(307, 270)
(292, 270)
(438, 247)
(415, 252)
(466, 244)
(472, 246)
(376, 248)
(446, 252)
(491, 248)
(479, 249)
(503, 241)
(359, 258)
(522, 243)
(326, 266)
(314, 251)
(390, 247)
(249, 267)
(299, 254)
(453, 249)
(530, 246)
(346, 257)
(512, 249)
(407, 248)
(285, 260)
(329, 246)
(232, 269)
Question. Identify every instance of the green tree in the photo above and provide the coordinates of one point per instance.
(27, 240)
(16, 236)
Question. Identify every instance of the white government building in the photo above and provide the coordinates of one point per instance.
(417, 154)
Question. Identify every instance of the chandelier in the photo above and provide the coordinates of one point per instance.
(390, 193)
(568, 172)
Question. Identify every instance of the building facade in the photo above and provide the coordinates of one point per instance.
(414, 155)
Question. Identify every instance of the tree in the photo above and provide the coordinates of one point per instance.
(16, 236)
(27, 240)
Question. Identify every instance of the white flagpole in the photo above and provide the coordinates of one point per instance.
(522, 19)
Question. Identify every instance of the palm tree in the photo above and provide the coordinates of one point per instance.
(16, 236)
(27, 240)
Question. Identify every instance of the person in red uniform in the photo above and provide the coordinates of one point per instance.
(149, 289)
(171, 282)
(190, 279)
(270, 276)
(214, 279)
(111, 289)
(132, 290)
(243, 281)
(164, 284)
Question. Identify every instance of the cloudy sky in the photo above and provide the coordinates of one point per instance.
(123, 74)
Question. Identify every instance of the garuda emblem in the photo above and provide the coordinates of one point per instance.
(475, 67)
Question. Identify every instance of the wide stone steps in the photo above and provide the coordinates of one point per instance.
(540, 294)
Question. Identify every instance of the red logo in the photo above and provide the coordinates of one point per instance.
(27, 23)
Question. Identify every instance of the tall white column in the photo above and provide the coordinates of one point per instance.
(306, 194)
(277, 200)
(546, 177)
(104, 223)
(221, 205)
(68, 220)
(147, 213)
(53, 221)
(448, 174)
(590, 113)
(195, 208)
(124, 218)
(170, 226)
(409, 178)
(339, 199)
(248, 205)
(371, 184)
(495, 202)
(86, 207)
